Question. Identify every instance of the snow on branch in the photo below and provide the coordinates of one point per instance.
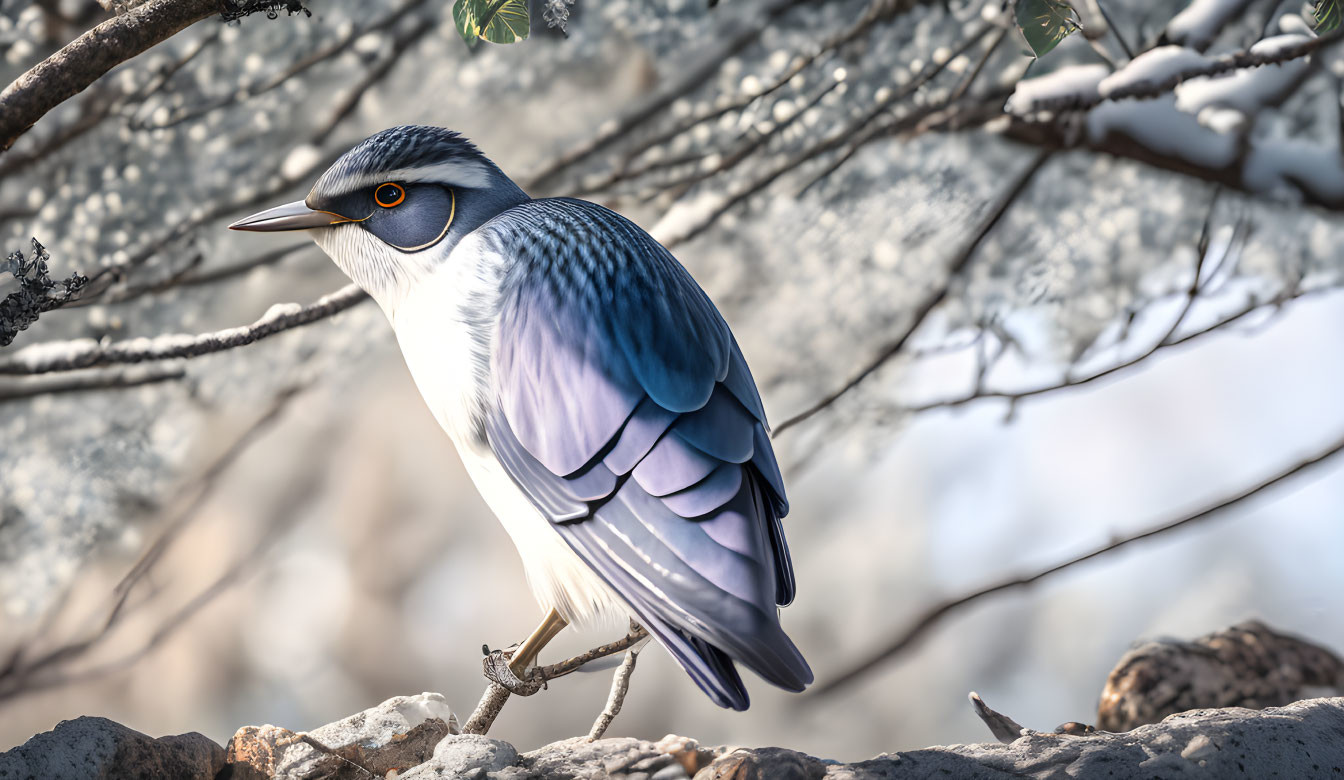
(1200, 22)
(1155, 73)
(84, 353)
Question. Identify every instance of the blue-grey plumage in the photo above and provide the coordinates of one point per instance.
(597, 397)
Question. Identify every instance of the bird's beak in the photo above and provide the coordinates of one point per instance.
(291, 216)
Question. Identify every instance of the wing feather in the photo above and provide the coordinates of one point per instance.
(628, 416)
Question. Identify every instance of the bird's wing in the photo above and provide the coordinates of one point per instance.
(627, 414)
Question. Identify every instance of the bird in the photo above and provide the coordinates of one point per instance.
(596, 396)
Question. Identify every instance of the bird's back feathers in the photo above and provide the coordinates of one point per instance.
(627, 414)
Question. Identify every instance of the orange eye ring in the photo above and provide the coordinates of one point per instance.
(389, 195)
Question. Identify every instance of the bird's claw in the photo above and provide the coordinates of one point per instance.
(496, 668)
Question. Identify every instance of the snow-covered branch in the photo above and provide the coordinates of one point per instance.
(1157, 72)
(84, 353)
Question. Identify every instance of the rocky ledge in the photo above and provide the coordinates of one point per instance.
(414, 738)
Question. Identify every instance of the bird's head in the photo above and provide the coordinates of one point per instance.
(392, 208)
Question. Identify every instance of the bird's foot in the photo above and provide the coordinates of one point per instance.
(495, 665)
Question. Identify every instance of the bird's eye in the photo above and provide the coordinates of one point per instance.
(389, 195)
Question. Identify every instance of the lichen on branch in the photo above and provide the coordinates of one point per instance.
(38, 293)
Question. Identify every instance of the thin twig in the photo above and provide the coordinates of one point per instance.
(91, 380)
(620, 685)
(635, 636)
(1129, 53)
(954, 271)
(876, 11)
(692, 77)
(935, 614)
(1074, 382)
(1004, 728)
(20, 675)
(97, 107)
(262, 86)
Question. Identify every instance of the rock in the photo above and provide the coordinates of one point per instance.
(397, 735)
(1247, 665)
(99, 748)
(687, 752)
(1305, 739)
(766, 764)
(409, 738)
(459, 755)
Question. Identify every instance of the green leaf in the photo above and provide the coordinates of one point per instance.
(497, 21)
(1326, 15)
(1044, 23)
(462, 18)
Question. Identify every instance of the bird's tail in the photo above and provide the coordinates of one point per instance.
(766, 650)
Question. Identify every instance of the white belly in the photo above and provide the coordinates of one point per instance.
(444, 361)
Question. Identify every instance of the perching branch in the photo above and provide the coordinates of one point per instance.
(84, 353)
(935, 614)
(496, 695)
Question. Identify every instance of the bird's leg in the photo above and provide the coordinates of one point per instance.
(620, 684)
(511, 677)
(527, 652)
(499, 672)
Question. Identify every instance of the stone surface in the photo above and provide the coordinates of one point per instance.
(1246, 665)
(1305, 739)
(398, 739)
(461, 754)
(99, 748)
(398, 734)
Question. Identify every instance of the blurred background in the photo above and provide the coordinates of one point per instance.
(281, 534)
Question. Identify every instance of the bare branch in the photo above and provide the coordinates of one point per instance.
(402, 42)
(954, 271)
(877, 11)
(262, 86)
(90, 380)
(620, 685)
(20, 674)
(72, 69)
(693, 77)
(84, 353)
(97, 106)
(935, 614)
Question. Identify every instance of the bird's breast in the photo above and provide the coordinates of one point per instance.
(444, 326)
